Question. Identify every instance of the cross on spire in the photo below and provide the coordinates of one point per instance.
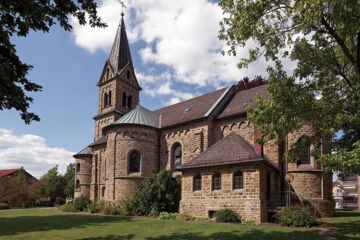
(122, 7)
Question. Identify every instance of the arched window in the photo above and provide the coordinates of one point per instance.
(128, 75)
(134, 162)
(305, 157)
(105, 99)
(177, 155)
(238, 180)
(107, 74)
(129, 101)
(78, 167)
(124, 99)
(77, 184)
(197, 183)
(216, 181)
(109, 98)
(103, 191)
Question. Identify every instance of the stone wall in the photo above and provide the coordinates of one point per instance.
(84, 176)
(248, 202)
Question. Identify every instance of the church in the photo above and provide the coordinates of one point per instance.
(208, 140)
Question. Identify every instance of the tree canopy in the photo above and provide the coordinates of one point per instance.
(19, 18)
(323, 38)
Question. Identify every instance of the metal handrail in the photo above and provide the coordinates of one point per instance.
(288, 198)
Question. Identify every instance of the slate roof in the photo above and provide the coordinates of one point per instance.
(120, 55)
(237, 104)
(111, 111)
(140, 116)
(229, 150)
(197, 108)
(6, 172)
(101, 140)
(85, 151)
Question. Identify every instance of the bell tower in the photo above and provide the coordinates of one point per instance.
(118, 86)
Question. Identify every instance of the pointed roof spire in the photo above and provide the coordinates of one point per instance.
(120, 55)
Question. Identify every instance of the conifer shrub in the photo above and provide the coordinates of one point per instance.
(297, 216)
(81, 203)
(226, 215)
(159, 193)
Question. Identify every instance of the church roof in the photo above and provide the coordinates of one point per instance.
(120, 55)
(101, 140)
(191, 109)
(85, 151)
(140, 116)
(231, 149)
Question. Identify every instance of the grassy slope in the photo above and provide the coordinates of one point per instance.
(349, 229)
(49, 224)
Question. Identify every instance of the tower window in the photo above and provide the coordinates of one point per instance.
(238, 180)
(124, 99)
(105, 99)
(177, 155)
(77, 184)
(107, 74)
(216, 181)
(129, 102)
(305, 157)
(103, 191)
(128, 75)
(134, 162)
(78, 167)
(109, 98)
(197, 183)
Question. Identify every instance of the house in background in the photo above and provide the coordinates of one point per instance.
(15, 172)
(338, 194)
(351, 192)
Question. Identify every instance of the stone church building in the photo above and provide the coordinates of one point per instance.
(208, 140)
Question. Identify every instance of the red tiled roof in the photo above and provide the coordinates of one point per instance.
(6, 172)
(229, 150)
(197, 108)
(237, 104)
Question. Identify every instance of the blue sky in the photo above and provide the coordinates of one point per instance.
(175, 51)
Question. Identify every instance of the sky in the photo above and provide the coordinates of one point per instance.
(176, 54)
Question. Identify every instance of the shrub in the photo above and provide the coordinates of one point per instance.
(159, 193)
(4, 206)
(297, 216)
(81, 203)
(167, 216)
(60, 208)
(69, 207)
(125, 205)
(111, 209)
(250, 222)
(95, 207)
(184, 217)
(226, 215)
(202, 219)
(24, 205)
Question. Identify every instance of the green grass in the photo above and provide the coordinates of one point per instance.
(50, 224)
(348, 227)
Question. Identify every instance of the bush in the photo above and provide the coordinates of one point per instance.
(81, 203)
(159, 193)
(250, 222)
(95, 207)
(69, 207)
(202, 219)
(226, 215)
(111, 209)
(184, 217)
(24, 205)
(4, 206)
(297, 216)
(125, 205)
(167, 216)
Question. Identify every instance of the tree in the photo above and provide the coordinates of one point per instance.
(323, 37)
(18, 18)
(69, 180)
(53, 184)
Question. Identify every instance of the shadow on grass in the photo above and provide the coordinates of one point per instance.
(347, 214)
(248, 235)
(24, 224)
(348, 231)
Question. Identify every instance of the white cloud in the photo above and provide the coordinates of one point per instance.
(31, 152)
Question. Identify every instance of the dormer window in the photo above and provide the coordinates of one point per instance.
(107, 74)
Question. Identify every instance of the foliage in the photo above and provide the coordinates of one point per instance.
(226, 215)
(202, 219)
(111, 209)
(245, 83)
(297, 216)
(167, 216)
(18, 18)
(81, 203)
(184, 217)
(250, 222)
(158, 193)
(52, 184)
(4, 206)
(69, 178)
(95, 207)
(69, 207)
(126, 205)
(323, 38)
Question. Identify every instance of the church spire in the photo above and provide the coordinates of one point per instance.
(120, 55)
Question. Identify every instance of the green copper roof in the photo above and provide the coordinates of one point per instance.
(141, 116)
(85, 151)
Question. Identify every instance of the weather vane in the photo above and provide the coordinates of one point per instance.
(122, 6)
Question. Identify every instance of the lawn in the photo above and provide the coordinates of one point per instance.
(50, 224)
(348, 227)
